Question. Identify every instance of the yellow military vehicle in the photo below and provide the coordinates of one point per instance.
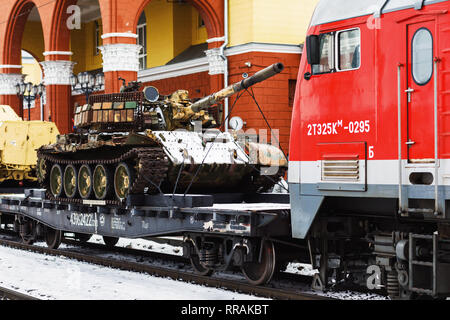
(19, 141)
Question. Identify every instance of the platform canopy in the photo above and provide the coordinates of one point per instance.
(336, 10)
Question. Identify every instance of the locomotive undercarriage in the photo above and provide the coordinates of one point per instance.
(403, 257)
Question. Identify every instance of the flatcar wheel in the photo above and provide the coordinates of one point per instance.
(56, 180)
(53, 237)
(102, 182)
(199, 269)
(82, 237)
(85, 182)
(70, 181)
(259, 273)
(110, 241)
(123, 180)
(28, 231)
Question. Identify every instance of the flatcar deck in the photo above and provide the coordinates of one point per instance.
(155, 215)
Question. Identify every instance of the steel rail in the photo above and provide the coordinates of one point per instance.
(8, 294)
(169, 257)
(231, 285)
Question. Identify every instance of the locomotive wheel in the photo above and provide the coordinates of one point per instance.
(110, 242)
(56, 180)
(85, 182)
(123, 180)
(53, 237)
(102, 182)
(259, 273)
(199, 269)
(41, 170)
(70, 181)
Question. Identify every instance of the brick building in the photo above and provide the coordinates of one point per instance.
(198, 45)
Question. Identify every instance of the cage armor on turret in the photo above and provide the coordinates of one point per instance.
(137, 142)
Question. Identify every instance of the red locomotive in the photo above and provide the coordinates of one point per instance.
(370, 150)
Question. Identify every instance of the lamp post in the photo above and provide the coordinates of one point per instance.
(29, 92)
(87, 83)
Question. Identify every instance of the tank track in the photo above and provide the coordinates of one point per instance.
(151, 169)
(260, 183)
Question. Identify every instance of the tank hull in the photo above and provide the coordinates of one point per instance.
(156, 162)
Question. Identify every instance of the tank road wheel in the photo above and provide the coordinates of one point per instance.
(70, 181)
(259, 273)
(123, 180)
(85, 182)
(102, 182)
(56, 180)
(110, 242)
(53, 237)
(41, 170)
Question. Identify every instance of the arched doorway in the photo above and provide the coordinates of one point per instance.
(31, 69)
(74, 48)
(24, 30)
(175, 36)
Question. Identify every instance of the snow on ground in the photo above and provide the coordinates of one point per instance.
(49, 277)
(142, 244)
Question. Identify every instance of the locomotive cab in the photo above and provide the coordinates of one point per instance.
(369, 149)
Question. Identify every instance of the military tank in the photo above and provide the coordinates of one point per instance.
(139, 142)
(19, 141)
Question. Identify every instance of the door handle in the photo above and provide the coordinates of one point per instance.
(409, 91)
(410, 143)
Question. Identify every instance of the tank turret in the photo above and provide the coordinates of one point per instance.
(134, 110)
(18, 143)
(128, 143)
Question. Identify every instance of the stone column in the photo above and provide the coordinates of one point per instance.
(8, 94)
(120, 59)
(59, 92)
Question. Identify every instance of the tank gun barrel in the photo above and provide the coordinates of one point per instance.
(258, 77)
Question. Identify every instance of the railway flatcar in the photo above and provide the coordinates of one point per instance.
(370, 151)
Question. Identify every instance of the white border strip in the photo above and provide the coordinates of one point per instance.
(264, 47)
(218, 39)
(119, 35)
(202, 65)
(174, 70)
(310, 171)
(60, 53)
(10, 66)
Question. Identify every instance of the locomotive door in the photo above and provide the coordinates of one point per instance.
(420, 92)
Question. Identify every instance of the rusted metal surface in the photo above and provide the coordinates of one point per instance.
(199, 161)
(267, 155)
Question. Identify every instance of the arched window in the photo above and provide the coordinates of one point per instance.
(97, 38)
(422, 56)
(142, 41)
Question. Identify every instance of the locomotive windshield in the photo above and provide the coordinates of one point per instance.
(348, 43)
(336, 10)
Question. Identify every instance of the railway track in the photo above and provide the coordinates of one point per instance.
(8, 294)
(298, 278)
(232, 285)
